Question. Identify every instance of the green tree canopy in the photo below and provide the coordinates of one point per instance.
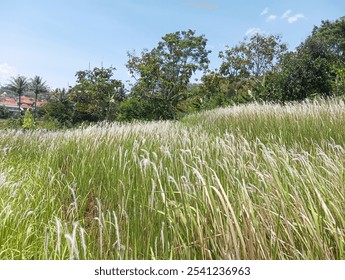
(252, 58)
(38, 86)
(317, 66)
(18, 85)
(60, 108)
(244, 69)
(333, 35)
(96, 95)
(162, 74)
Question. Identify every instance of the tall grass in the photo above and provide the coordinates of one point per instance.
(246, 182)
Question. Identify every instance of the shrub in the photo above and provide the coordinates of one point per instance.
(4, 112)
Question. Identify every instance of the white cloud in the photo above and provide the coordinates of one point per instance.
(295, 18)
(286, 13)
(264, 12)
(6, 71)
(292, 18)
(252, 31)
(271, 18)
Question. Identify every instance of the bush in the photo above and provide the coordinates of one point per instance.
(60, 111)
(4, 112)
(136, 108)
(28, 121)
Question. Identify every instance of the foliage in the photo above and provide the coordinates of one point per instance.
(257, 69)
(304, 74)
(136, 108)
(243, 73)
(18, 85)
(268, 89)
(338, 83)
(4, 113)
(214, 89)
(317, 67)
(252, 58)
(59, 109)
(162, 74)
(14, 123)
(96, 95)
(38, 86)
(28, 120)
(333, 34)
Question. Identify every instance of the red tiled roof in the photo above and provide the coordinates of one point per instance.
(41, 103)
(26, 102)
(8, 101)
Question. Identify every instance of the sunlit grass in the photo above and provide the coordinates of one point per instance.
(246, 182)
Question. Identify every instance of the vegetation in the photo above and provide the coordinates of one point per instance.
(38, 86)
(96, 95)
(28, 120)
(19, 85)
(258, 69)
(243, 182)
(165, 72)
(155, 172)
(4, 113)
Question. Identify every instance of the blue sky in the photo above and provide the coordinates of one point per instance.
(56, 38)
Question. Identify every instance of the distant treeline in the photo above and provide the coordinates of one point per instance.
(260, 68)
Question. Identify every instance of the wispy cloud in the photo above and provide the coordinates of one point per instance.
(295, 18)
(204, 5)
(271, 18)
(253, 30)
(6, 71)
(264, 12)
(286, 14)
(292, 18)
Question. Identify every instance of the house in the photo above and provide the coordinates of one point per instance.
(11, 103)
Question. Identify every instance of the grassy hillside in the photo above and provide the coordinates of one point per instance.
(246, 182)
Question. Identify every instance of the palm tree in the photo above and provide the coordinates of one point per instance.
(38, 86)
(18, 85)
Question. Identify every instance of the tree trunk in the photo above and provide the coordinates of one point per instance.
(20, 102)
(35, 106)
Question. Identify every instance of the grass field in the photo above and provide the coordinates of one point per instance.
(246, 182)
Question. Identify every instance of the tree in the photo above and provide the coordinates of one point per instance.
(333, 35)
(306, 72)
(19, 85)
(253, 58)
(162, 74)
(317, 66)
(60, 108)
(247, 65)
(38, 86)
(216, 90)
(96, 95)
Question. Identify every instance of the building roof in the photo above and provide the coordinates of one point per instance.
(26, 102)
(8, 101)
